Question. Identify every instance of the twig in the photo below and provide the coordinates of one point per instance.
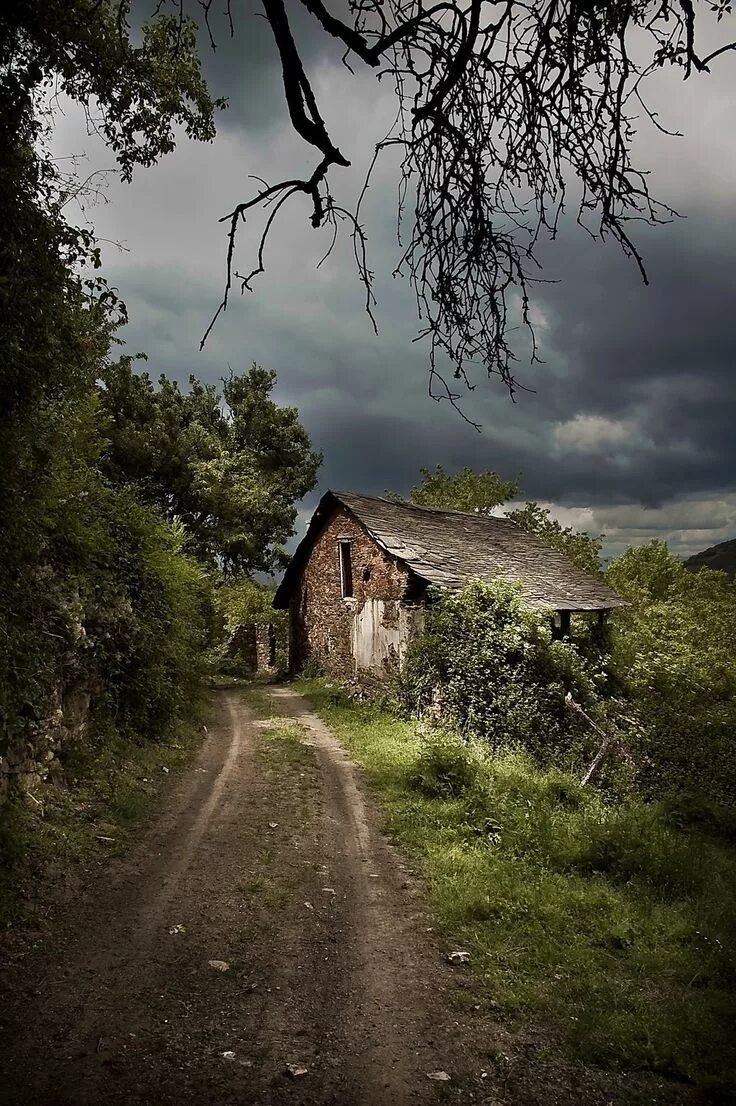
(605, 743)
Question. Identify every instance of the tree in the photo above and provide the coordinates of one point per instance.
(500, 107)
(582, 548)
(57, 313)
(93, 584)
(137, 96)
(467, 490)
(464, 490)
(500, 678)
(229, 466)
(674, 650)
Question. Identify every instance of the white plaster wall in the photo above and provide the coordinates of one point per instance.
(381, 631)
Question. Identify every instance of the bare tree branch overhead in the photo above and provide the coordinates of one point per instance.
(502, 106)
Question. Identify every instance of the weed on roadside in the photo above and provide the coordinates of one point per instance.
(612, 924)
(112, 785)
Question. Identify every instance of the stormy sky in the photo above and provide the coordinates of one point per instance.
(629, 427)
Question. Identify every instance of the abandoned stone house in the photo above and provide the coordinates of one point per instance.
(356, 587)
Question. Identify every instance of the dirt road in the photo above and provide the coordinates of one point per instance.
(268, 857)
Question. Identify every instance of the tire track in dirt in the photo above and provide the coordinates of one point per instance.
(270, 857)
(398, 1028)
(264, 855)
(82, 990)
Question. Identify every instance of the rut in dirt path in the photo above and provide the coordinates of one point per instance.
(268, 857)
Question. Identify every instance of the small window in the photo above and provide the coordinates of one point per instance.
(346, 569)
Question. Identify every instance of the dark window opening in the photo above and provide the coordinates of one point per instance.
(346, 569)
(561, 625)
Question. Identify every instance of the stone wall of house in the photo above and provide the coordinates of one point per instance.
(335, 631)
(34, 757)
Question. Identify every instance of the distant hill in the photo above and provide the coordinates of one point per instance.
(722, 557)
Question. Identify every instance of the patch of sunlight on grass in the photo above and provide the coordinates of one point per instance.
(608, 922)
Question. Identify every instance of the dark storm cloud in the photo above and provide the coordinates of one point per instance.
(658, 359)
(635, 402)
(634, 406)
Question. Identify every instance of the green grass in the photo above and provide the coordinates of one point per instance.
(113, 783)
(612, 925)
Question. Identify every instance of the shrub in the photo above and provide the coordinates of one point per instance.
(146, 620)
(446, 767)
(488, 666)
(674, 656)
(108, 601)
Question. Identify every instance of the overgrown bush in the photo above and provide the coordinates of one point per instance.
(147, 634)
(674, 655)
(446, 767)
(489, 668)
(665, 694)
(104, 599)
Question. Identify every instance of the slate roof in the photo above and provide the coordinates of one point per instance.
(448, 548)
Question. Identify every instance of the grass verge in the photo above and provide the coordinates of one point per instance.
(112, 784)
(610, 924)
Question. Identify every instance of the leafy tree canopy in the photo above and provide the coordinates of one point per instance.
(464, 490)
(674, 649)
(241, 601)
(228, 464)
(57, 313)
(138, 85)
(582, 548)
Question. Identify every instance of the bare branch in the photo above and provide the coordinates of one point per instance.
(501, 106)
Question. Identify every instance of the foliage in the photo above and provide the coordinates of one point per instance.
(583, 549)
(446, 767)
(630, 913)
(464, 490)
(95, 589)
(242, 601)
(107, 600)
(144, 82)
(491, 669)
(229, 466)
(239, 601)
(668, 694)
(137, 95)
(674, 652)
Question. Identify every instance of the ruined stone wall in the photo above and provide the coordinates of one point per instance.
(256, 646)
(243, 645)
(28, 760)
(267, 642)
(323, 624)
